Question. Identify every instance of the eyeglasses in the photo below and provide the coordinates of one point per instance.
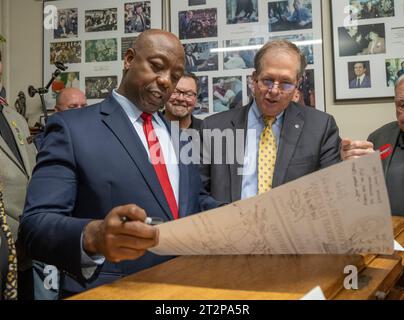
(268, 84)
(188, 95)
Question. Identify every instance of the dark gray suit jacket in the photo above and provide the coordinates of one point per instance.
(388, 134)
(309, 141)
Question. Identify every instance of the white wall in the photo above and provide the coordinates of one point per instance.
(23, 63)
(21, 24)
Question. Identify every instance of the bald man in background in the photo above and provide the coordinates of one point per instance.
(68, 98)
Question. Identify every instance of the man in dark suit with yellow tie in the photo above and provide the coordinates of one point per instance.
(272, 140)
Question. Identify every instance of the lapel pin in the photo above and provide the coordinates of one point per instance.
(297, 126)
(20, 139)
(17, 130)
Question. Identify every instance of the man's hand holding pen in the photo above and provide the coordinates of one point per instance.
(125, 234)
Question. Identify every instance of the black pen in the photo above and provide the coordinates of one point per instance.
(152, 221)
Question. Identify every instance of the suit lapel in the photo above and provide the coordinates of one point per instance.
(3, 145)
(240, 121)
(291, 130)
(114, 117)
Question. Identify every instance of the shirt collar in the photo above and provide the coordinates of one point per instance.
(130, 108)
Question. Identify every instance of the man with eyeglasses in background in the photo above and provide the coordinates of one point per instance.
(283, 140)
(182, 103)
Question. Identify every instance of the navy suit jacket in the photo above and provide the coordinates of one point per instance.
(365, 83)
(91, 161)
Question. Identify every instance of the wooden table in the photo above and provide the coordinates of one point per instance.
(261, 277)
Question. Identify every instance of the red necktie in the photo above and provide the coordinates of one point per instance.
(3, 101)
(157, 159)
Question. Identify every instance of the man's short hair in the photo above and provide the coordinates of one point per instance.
(192, 76)
(363, 63)
(280, 45)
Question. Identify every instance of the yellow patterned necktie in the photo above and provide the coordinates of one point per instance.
(266, 156)
(10, 287)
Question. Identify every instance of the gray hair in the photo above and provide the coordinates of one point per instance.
(280, 45)
(399, 82)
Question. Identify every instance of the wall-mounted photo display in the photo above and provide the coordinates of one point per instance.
(371, 9)
(368, 38)
(65, 52)
(241, 11)
(137, 16)
(199, 56)
(226, 35)
(65, 80)
(91, 38)
(227, 93)
(290, 15)
(359, 75)
(196, 2)
(394, 70)
(201, 23)
(240, 59)
(66, 24)
(100, 87)
(101, 50)
(101, 20)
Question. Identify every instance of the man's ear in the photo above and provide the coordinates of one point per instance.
(130, 55)
(254, 75)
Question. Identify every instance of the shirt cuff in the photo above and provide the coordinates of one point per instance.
(89, 264)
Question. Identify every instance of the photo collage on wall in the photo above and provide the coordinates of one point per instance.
(368, 47)
(91, 39)
(221, 38)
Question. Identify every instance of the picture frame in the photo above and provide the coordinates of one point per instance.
(368, 37)
(90, 38)
(226, 25)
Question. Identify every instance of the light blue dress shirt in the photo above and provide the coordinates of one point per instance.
(255, 125)
(89, 264)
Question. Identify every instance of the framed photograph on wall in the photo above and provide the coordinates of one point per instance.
(368, 42)
(90, 38)
(221, 38)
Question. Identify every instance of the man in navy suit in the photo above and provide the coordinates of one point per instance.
(361, 79)
(97, 169)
